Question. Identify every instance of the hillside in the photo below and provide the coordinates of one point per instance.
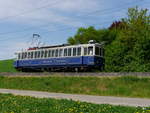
(6, 66)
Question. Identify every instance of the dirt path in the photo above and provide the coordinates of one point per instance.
(83, 98)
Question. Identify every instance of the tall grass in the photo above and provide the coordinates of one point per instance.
(128, 86)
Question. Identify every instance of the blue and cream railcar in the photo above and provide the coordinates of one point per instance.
(62, 58)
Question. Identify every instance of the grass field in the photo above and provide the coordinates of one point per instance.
(128, 86)
(6, 66)
(20, 104)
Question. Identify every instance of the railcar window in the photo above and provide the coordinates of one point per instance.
(53, 52)
(56, 53)
(19, 56)
(25, 55)
(90, 50)
(29, 55)
(85, 51)
(97, 50)
(61, 52)
(74, 51)
(100, 51)
(49, 53)
(79, 51)
(42, 54)
(22, 57)
(38, 56)
(35, 54)
(65, 52)
(45, 54)
(69, 51)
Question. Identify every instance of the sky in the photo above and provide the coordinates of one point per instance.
(54, 20)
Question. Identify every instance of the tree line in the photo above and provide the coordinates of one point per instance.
(127, 42)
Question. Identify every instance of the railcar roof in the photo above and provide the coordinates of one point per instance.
(63, 45)
(54, 46)
(59, 46)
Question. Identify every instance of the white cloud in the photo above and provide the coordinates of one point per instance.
(39, 14)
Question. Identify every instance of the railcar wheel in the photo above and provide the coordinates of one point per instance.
(76, 69)
(18, 69)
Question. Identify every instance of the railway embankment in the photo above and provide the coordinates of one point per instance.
(121, 86)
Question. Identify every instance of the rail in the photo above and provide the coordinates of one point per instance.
(77, 74)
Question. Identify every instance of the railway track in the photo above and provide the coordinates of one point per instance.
(77, 74)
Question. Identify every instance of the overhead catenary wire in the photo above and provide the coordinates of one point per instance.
(53, 4)
(18, 37)
(109, 9)
(52, 30)
(26, 29)
(29, 11)
(62, 29)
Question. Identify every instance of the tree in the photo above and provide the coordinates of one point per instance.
(134, 43)
(127, 46)
(83, 35)
(117, 25)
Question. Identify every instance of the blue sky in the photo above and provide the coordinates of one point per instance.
(55, 20)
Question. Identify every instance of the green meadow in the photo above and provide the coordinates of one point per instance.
(22, 104)
(7, 66)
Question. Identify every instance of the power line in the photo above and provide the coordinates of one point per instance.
(109, 9)
(20, 37)
(24, 37)
(62, 29)
(42, 7)
(26, 29)
(29, 11)
(55, 3)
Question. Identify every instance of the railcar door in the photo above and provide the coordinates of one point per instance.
(88, 55)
